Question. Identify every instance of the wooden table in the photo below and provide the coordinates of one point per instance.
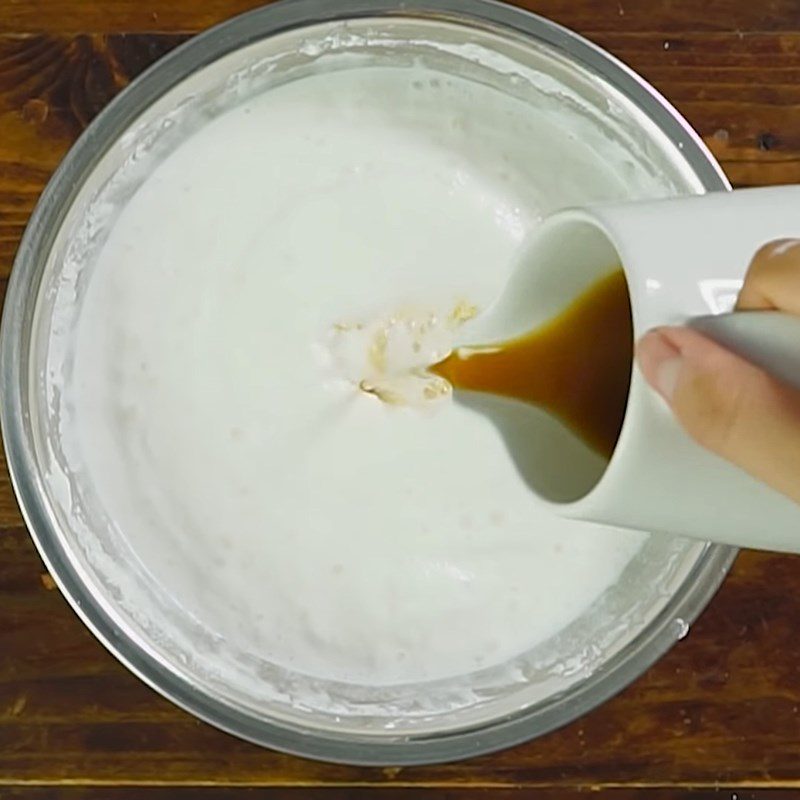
(719, 717)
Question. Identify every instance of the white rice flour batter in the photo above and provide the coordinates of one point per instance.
(216, 408)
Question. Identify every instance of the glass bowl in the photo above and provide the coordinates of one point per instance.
(614, 642)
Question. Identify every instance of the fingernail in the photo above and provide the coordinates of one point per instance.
(667, 377)
(660, 362)
(781, 246)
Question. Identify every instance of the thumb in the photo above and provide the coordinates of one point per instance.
(727, 404)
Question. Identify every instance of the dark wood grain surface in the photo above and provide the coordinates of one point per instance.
(719, 717)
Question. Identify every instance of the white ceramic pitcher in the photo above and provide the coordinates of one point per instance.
(684, 260)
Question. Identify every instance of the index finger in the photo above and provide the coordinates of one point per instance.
(773, 278)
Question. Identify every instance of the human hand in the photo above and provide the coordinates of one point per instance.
(723, 401)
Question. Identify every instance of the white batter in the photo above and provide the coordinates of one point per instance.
(307, 522)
